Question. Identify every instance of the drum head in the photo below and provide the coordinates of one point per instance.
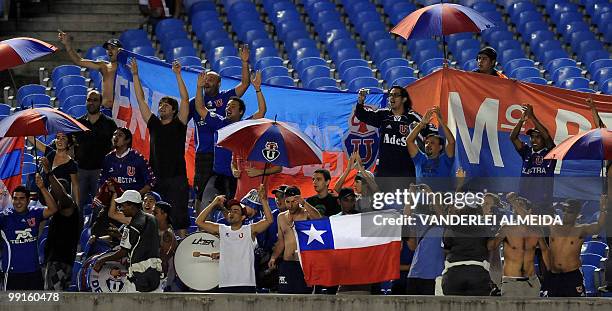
(111, 278)
(198, 273)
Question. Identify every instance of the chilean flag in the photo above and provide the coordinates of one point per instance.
(334, 251)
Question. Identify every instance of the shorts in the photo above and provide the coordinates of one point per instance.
(175, 190)
(520, 287)
(58, 276)
(25, 281)
(291, 279)
(203, 172)
(566, 284)
(466, 280)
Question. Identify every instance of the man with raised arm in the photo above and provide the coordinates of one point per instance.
(564, 278)
(167, 146)
(291, 276)
(536, 183)
(237, 242)
(108, 69)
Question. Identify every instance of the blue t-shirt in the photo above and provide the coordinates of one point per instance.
(428, 259)
(536, 183)
(131, 170)
(20, 240)
(442, 166)
(203, 134)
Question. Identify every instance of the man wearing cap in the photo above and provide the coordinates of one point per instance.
(346, 200)
(140, 243)
(107, 69)
(167, 135)
(563, 278)
(279, 197)
(291, 277)
(364, 186)
(437, 161)
(536, 183)
(236, 242)
(215, 100)
(487, 59)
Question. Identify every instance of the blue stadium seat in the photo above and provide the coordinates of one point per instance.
(563, 73)
(345, 54)
(168, 25)
(72, 101)
(522, 73)
(5, 109)
(68, 80)
(325, 16)
(332, 35)
(484, 7)
(517, 8)
(601, 19)
(558, 63)
(404, 81)
(349, 63)
(226, 61)
(425, 55)
(539, 36)
(467, 55)
(507, 45)
(606, 87)
(181, 51)
(70, 90)
(193, 6)
(303, 53)
(598, 64)
(430, 65)
(470, 65)
(580, 36)
(575, 83)
(232, 71)
(253, 34)
(464, 44)
(317, 83)
(261, 42)
(591, 259)
(596, 247)
(221, 51)
(77, 111)
(136, 42)
(189, 61)
(381, 44)
(589, 57)
(280, 81)
(590, 285)
(589, 45)
(364, 82)
(65, 70)
(27, 90)
(516, 63)
(204, 10)
(392, 62)
(376, 35)
(356, 72)
(274, 71)
(397, 72)
(602, 75)
(306, 62)
(567, 30)
(36, 100)
(370, 26)
(143, 50)
(416, 45)
(509, 55)
(399, 11)
(268, 61)
(384, 55)
(536, 80)
(544, 46)
(340, 44)
(313, 72)
(552, 55)
(531, 27)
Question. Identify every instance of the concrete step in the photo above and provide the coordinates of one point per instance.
(101, 19)
(85, 8)
(51, 36)
(93, 1)
(33, 24)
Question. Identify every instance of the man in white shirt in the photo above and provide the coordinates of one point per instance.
(237, 242)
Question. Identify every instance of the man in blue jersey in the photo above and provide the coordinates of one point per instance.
(225, 182)
(536, 183)
(127, 166)
(215, 100)
(19, 230)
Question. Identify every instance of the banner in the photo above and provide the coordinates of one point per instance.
(481, 118)
(11, 156)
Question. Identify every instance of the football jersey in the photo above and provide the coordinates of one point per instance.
(204, 134)
(536, 183)
(131, 170)
(20, 240)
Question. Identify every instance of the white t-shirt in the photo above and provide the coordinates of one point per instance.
(237, 257)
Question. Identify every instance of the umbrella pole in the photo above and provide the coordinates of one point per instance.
(263, 176)
(444, 48)
(10, 72)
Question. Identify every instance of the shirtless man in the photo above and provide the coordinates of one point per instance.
(291, 276)
(107, 69)
(564, 278)
(520, 242)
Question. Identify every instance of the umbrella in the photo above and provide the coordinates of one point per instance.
(269, 141)
(595, 144)
(39, 121)
(439, 20)
(18, 51)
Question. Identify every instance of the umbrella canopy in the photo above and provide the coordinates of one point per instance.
(268, 141)
(441, 19)
(18, 51)
(592, 145)
(39, 121)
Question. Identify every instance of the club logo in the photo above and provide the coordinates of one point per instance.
(538, 160)
(131, 171)
(111, 279)
(270, 152)
(362, 137)
(403, 129)
(32, 222)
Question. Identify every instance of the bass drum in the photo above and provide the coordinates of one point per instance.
(193, 264)
(112, 277)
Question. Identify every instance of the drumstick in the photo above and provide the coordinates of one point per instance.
(198, 254)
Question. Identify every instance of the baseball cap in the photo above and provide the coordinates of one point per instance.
(132, 196)
(291, 191)
(280, 189)
(155, 195)
(251, 199)
(113, 42)
(489, 51)
(532, 130)
(345, 192)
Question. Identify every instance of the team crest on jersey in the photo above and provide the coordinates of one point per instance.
(403, 129)
(31, 222)
(362, 137)
(538, 160)
(270, 152)
(131, 171)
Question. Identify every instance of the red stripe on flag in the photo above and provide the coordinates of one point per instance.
(354, 266)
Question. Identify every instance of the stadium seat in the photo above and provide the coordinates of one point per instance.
(575, 83)
(306, 62)
(552, 55)
(470, 65)
(74, 100)
(590, 284)
(193, 6)
(314, 72)
(143, 50)
(36, 100)
(226, 61)
(558, 63)
(231, 71)
(602, 75)
(392, 62)
(363, 82)
(464, 44)
(416, 45)
(77, 111)
(509, 55)
(280, 81)
(536, 80)
(27, 90)
(589, 57)
(70, 90)
(564, 73)
(349, 63)
(484, 7)
(425, 55)
(522, 73)
(384, 55)
(596, 247)
(356, 72)
(189, 61)
(274, 71)
(517, 63)
(507, 45)
(345, 54)
(430, 66)
(93, 53)
(591, 259)
(181, 51)
(321, 82)
(220, 52)
(68, 80)
(5, 109)
(65, 70)
(340, 44)
(598, 64)
(404, 81)
(168, 25)
(517, 8)
(467, 55)
(544, 46)
(268, 61)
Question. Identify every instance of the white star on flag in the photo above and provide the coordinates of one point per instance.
(314, 234)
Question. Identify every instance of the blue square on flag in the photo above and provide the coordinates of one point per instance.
(314, 234)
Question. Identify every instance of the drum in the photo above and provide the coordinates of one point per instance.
(194, 263)
(111, 278)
